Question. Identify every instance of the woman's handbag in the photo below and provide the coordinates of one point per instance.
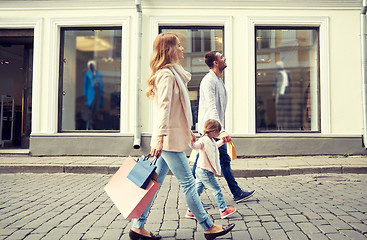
(143, 172)
(231, 150)
(129, 199)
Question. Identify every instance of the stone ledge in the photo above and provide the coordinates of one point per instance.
(101, 169)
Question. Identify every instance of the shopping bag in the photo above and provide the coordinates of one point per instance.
(143, 171)
(231, 150)
(129, 199)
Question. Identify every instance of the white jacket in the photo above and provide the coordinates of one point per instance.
(208, 154)
(213, 100)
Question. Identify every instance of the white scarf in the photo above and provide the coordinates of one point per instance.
(212, 152)
(183, 77)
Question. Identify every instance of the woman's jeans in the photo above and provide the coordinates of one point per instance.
(205, 178)
(225, 164)
(178, 164)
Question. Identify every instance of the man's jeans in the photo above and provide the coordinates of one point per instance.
(225, 163)
(179, 166)
(205, 178)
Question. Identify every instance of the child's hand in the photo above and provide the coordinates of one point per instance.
(225, 137)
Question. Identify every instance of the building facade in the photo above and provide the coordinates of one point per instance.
(73, 73)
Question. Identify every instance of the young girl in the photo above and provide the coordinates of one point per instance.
(208, 165)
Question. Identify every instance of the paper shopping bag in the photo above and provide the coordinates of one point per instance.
(143, 171)
(129, 199)
(231, 150)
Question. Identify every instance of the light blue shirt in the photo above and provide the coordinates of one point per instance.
(213, 100)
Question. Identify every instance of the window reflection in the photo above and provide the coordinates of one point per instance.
(90, 79)
(287, 79)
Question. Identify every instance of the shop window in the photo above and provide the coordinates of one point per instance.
(197, 41)
(90, 79)
(287, 79)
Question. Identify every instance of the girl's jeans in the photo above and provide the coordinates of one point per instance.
(205, 178)
(178, 164)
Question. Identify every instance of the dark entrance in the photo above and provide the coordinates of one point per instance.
(16, 63)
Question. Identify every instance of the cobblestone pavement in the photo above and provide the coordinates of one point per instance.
(75, 206)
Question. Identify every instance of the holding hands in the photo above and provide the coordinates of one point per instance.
(193, 138)
(225, 137)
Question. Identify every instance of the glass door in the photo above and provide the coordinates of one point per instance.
(16, 62)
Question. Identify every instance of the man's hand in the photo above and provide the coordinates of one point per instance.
(225, 137)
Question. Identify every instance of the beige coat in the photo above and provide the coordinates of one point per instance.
(171, 121)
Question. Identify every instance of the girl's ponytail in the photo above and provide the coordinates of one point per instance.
(212, 125)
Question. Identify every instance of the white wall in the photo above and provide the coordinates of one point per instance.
(344, 68)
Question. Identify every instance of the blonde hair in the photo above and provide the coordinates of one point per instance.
(164, 54)
(212, 125)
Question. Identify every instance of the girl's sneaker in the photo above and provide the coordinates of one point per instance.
(227, 212)
(190, 215)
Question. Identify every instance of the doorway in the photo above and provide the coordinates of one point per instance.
(16, 64)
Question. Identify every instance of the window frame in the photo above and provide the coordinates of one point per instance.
(200, 21)
(54, 87)
(323, 24)
(202, 44)
(61, 80)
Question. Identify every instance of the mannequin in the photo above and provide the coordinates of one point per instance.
(93, 92)
(282, 92)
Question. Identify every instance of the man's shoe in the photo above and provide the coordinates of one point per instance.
(226, 229)
(189, 215)
(244, 196)
(227, 212)
(205, 206)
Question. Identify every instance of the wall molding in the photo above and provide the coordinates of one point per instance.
(189, 4)
(48, 145)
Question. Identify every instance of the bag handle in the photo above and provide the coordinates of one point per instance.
(147, 157)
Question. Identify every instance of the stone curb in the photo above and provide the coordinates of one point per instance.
(300, 170)
(34, 168)
(42, 168)
(99, 169)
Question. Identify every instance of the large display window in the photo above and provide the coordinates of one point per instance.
(287, 79)
(90, 79)
(197, 41)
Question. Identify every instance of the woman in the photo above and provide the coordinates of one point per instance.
(172, 134)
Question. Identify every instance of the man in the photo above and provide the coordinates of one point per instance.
(212, 105)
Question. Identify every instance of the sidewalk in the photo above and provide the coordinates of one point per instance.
(245, 167)
(75, 206)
